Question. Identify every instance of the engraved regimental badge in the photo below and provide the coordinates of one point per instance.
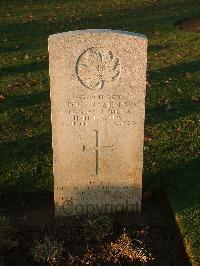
(95, 68)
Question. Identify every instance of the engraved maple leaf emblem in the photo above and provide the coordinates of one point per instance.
(94, 68)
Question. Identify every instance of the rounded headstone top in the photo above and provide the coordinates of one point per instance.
(97, 31)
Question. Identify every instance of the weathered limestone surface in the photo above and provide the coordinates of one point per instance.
(98, 82)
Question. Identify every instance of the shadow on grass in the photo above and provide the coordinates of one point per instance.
(180, 182)
(23, 69)
(181, 108)
(19, 47)
(156, 48)
(174, 71)
(24, 100)
(25, 164)
(182, 185)
(122, 17)
(182, 104)
(24, 148)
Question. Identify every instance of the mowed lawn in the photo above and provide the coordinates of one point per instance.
(172, 127)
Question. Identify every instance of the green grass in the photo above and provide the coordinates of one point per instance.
(172, 156)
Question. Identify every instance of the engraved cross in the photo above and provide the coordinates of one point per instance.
(97, 147)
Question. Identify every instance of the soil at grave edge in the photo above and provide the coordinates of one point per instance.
(32, 216)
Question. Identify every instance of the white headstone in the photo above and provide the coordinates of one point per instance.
(98, 83)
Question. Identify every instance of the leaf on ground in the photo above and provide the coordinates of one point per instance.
(188, 75)
(2, 98)
(194, 99)
(168, 106)
(52, 18)
(26, 57)
(156, 33)
(148, 138)
(30, 18)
